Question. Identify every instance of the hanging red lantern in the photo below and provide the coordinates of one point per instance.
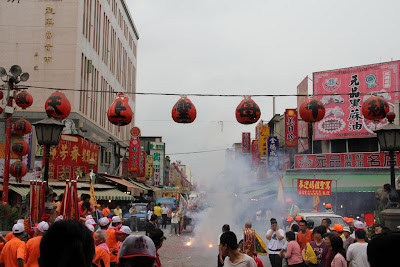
(18, 169)
(24, 100)
(184, 111)
(20, 148)
(120, 113)
(247, 112)
(375, 108)
(61, 105)
(312, 110)
(22, 127)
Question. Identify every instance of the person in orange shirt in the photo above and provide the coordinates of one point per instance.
(112, 241)
(105, 210)
(3, 242)
(32, 250)
(305, 235)
(13, 252)
(102, 253)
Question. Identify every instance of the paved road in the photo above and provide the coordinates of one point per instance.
(176, 253)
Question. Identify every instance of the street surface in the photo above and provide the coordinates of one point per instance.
(176, 253)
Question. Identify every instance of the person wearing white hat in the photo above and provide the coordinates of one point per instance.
(32, 251)
(90, 227)
(347, 239)
(103, 223)
(13, 253)
(91, 222)
(10, 235)
(132, 255)
(123, 233)
(112, 241)
(59, 218)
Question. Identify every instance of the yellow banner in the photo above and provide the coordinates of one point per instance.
(149, 167)
(262, 139)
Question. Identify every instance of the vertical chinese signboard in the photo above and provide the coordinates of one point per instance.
(345, 90)
(262, 139)
(142, 165)
(157, 151)
(149, 167)
(314, 187)
(134, 156)
(255, 154)
(246, 143)
(291, 128)
(71, 158)
(302, 126)
(273, 154)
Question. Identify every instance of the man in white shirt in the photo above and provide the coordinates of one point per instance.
(165, 211)
(357, 252)
(275, 237)
(228, 245)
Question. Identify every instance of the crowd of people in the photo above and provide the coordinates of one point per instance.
(324, 245)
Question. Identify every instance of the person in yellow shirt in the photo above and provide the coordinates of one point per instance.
(13, 253)
(158, 212)
(118, 212)
(32, 250)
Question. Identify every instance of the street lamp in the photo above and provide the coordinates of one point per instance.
(389, 140)
(48, 133)
(14, 76)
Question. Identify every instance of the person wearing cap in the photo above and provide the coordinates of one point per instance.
(13, 253)
(10, 235)
(98, 213)
(137, 250)
(103, 223)
(32, 250)
(289, 222)
(357, 252)
(347, 239)
(112, 241)
(304, 236)
(102, 252)
(337, 229)
(90, 227)
(123, 233)
(158, 238)
(328, 208)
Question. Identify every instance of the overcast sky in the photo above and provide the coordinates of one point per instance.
(245, 47)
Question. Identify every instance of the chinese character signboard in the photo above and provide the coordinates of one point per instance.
(71, 158)
(302, 126)
(157, 151)
(245, 142)
(149, 167)
(262, 141)
(273, 151)
(345, 90)
(343, 160)
(134, 155)
(291, 128)
(313, 187)
(142, 165)
(255, 154)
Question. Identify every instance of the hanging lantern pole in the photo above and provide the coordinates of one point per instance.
(13, 78)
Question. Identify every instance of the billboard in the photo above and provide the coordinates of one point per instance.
(157, 151)
(291, 128)
(262, 139)
(343, 160)
(273, 154)
(134, 156)
(255, 154)
(345, 90)
(302, 126)
(314, 187)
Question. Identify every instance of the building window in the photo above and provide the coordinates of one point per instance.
(338, 146)
(363, 144)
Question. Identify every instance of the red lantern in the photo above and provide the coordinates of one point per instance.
(1, 95)
(61, 105)
(375, 108)
(312, 110)
(20, 148)
(18, 169)
(120, 113)
(24, 100)
(184, 111)
(22, 127)
(247, 112)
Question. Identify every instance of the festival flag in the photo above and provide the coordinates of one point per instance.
(281, 199)
(92, 195)
(316, 203)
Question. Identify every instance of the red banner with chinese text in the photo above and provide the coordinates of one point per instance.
(255, 154)
(343, 160)
(246, 143)
(134, 155)
(313, 187)
(71, 158)
(142, 166)
(291, 128)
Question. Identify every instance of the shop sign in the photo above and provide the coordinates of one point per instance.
(313, 187)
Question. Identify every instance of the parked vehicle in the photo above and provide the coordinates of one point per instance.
(318, 216)
(141, 214)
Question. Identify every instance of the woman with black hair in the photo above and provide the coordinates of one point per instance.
(338, 252)
(318, 246)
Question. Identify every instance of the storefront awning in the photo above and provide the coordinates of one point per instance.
(108, 194)
(23, 191)
(137, 189)
(144, 187)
